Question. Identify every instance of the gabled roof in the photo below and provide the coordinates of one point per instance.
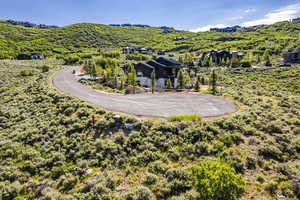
(167, 61)
(162, 62)
(155, 64)
(145, 64)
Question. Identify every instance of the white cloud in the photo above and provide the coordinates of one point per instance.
(207, 28)
(252, 10)
(282, 14)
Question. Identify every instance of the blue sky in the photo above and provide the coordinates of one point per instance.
(196, 15)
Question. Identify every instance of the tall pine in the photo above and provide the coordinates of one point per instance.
(153, 81)
(214, 82)
(180, 79)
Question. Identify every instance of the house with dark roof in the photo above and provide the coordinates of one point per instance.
(35, 56)
(227, 29)
(165, 69)
(143, 50)
(217, 56)
(292, 57)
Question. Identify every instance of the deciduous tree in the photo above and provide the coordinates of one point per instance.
(217, 181)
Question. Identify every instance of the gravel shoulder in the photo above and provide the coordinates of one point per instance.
(147, 104)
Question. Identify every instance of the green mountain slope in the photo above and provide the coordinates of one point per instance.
(278, 38)
(80, 37)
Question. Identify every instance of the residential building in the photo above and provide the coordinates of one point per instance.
(143, 50)
(292, 57)
(165, 69)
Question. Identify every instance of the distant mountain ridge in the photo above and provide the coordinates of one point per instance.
(29, 24)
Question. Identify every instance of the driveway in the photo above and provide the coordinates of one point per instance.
(147, 104)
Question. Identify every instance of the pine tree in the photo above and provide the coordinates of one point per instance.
(132, 77)
(123, 80)
(115, 81)
(153, 81)
(186, 58)
(197, 84)
(206, 61)
(93, 68)
(187, 78)
(211, 61)
(214, 82)
(180, 79)
(223, 62)
(169, 84)
(108, 74)
(266, 58)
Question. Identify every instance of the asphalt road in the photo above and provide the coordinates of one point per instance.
(147, 104)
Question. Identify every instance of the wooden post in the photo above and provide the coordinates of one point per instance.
(93, 120)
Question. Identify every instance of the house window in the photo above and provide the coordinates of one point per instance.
(140, 74)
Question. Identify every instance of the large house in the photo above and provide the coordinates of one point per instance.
(165, 69)
(30, 57)
(292, 57)
(231, 29)
(218, 56)
(143, 50)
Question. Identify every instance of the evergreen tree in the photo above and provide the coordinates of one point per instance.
(206, 61)
(266, 58)
(93, 69)
(190, 60)
(197, 84)
(169, 84)
(186, 58)
(180, 79)
(153, 81)
(108, 74)
(115, 81)
(223, 61)
(123, 80)
(187, 78)
(211, 61)
(132, 77)
(213, 82)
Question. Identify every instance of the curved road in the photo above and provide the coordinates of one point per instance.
(147, 104)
